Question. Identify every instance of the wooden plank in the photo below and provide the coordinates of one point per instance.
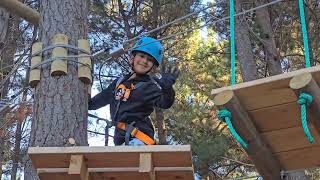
(290, 139)
(163, 156)
(300, 158)
(108, 149)
(161, 173)
(20, 9)
(268, 91)
(122, 169)
(257, 149)
(276, 117)
(78, 167)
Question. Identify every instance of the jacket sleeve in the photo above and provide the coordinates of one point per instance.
(166, 99)
(103, 98)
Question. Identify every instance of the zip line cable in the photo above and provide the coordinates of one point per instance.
(173, 22)
(121, 51)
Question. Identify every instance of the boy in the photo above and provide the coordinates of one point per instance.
(132, 98)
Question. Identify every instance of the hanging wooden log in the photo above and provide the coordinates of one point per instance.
(60, 66)
(34, 77)
(84, 65)
(20, 9)
(305, 83)
(258, 150)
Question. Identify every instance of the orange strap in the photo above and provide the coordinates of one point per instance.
(138, 134)
(127, 91)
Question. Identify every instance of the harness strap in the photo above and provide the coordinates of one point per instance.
(134, 132)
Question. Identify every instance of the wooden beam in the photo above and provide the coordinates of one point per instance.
(146, 165)
(117, 169)
(267, 80)
(78, 167)
(258, 150)
(21, 10)
(305, 83)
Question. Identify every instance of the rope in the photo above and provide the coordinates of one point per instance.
(59, 58)
(225, 115)
(304, 33)
(232, 44)
(70, 47)
(304, 100)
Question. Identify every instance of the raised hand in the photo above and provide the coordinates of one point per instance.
(168, 76)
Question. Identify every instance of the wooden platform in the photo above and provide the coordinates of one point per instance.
(271, 106)
(113, 163)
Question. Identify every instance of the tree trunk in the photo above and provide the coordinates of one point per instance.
(162, 133)
(4, 16)
(16, 151)
(60, 102)
(106, 135)
(8, 45)
(244, 49)
(272, 54)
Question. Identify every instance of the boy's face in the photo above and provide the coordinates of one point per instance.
(142, 63)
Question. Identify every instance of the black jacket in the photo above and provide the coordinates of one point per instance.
(140, 104)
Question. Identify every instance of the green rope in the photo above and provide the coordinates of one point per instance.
(304, 33)
(232, 44)
(304, 100)
(225, 115)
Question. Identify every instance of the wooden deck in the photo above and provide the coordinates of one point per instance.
(113, 163)
(271, 106)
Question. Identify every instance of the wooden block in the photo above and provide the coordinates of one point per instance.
(34, 77)
(146, 165)
(84, 69)
(59, 67)
(78, 167)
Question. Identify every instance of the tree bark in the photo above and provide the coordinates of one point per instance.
(8, 45)
(272, 54)
(162, 133)
(244, 49)
(4, 17)
(60, 102)
(16, 151)
(106, 135)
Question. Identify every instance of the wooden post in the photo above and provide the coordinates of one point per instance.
(59, 67)
(146, 165)
(84, 66)
(258, 150)
(20, 9)
(34, 77)
(305, 83)
(78, 167)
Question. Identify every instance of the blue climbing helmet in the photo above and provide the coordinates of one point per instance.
(150, 46)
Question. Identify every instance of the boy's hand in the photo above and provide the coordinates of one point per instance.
(168, 77)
